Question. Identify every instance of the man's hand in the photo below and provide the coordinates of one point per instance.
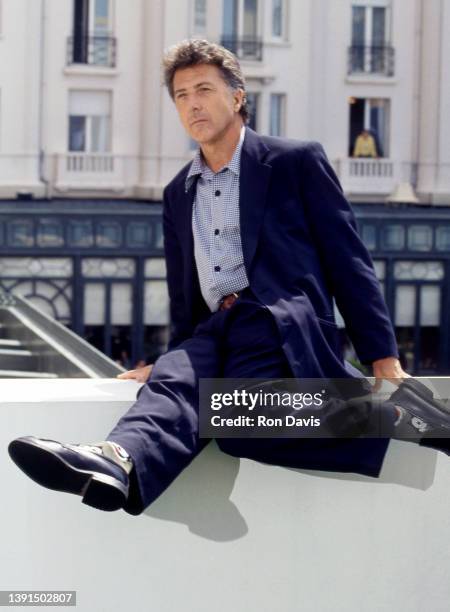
(389, 368)
(139, 375)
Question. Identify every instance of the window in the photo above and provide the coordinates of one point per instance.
(108, 315)
(108, 234)
(92, 40)
(156, 308)
(253, 104)
(369, 127)
(250, 18)
(393, 238)
(370, 23)
(277, 114)
(380, 272)
(278, 19)
(369, 236)
(420, 238)
(230, 10)
(419, 270)
(443, 238)
(241, 28)
(419, 287)
(199, 16)
(370, 50)
(50, 233)
(89, 121)
(99, 17)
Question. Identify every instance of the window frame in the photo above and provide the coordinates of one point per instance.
(88, 124)
(283, 37)
(91, 19)
(258, 98)
(369, 5)
(194, 29)
(282, 112)
(239, 33)
(386, 145)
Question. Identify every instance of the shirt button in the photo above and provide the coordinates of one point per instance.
(217, 268)
(217, 194)
(216, 231)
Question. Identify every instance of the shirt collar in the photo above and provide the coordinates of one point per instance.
(199, 168)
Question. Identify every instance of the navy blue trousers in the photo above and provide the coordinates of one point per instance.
(160, 430)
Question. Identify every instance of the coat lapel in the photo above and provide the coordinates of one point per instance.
(191, 281)
(186, 221)
(253, 184)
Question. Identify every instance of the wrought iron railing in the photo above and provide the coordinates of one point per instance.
(371, 60)
(94, 50)
(244, 47)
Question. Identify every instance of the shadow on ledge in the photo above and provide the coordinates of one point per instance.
(200, 496)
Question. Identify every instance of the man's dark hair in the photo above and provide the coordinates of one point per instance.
(197, 51)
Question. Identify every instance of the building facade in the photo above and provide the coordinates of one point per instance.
(89, 138)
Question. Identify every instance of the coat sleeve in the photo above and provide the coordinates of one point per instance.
(179, 326)
(347, 263)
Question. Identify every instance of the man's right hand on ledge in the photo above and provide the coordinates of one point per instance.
(388, 368)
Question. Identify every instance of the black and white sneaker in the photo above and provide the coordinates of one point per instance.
(83, 470)
(421, 417)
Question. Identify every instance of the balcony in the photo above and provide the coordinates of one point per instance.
(89, 171)
(244, 47)
(92, 50)
(373, 60)
(372, 176)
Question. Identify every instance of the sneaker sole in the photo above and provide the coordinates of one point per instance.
(51, 471)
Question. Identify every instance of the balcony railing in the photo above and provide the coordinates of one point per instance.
(371, 176)
(89, 162)
(90, 171)
(371, 60)
(244, 47)
(373, 168)
(93, 50)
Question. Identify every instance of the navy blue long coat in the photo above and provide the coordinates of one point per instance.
(300, 248)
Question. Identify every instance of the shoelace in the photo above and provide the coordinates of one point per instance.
(108, 450)
(88, 447)
(95, 449)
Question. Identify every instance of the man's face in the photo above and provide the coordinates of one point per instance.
(205, 103)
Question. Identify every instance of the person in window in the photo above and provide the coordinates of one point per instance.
(258, 238)
(365, 145)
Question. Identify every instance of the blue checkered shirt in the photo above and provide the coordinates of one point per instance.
(216, 229)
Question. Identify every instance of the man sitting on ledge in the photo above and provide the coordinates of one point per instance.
(258, 240)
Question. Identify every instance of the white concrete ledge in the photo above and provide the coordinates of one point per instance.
(228, 534)
(62, 390)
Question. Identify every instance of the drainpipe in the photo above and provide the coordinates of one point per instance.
(161, 102)
(441, 76)
(41, 161)
(417, 96)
